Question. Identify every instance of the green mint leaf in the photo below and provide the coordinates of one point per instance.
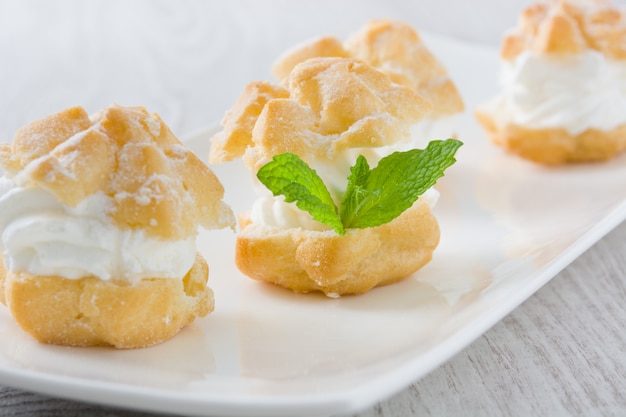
(378, 196)
(290, 176)
(356, 190)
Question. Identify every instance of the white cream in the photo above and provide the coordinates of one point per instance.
(576, 92)
(275, 212)
(335, 171)
(432, 128)
(42, 236)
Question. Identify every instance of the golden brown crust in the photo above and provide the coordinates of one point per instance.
(239, 121)
(388, 47)
(156, 184)
(93, 312)
(555, 146)
(327, 46)
(284, 125)
(344, 91)
(333, 104)
(305, 260)
(396, 49)
(40, 137)
(566, 27)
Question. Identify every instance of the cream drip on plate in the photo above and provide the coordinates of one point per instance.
(42, 236)
(575, 92)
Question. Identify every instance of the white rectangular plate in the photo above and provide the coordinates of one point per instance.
(508, 227)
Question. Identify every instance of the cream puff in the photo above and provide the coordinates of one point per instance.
(328, 111)
(98, 217)
(563, 84)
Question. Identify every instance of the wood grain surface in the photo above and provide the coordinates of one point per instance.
(561, 353)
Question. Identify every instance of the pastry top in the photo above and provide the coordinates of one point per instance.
(327, 46)
(326, 106)
(392, 47)
(155, 184)
(562, 27)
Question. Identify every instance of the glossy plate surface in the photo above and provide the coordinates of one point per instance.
(507, 228)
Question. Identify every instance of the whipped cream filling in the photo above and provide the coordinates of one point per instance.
(275, 212)
(431, 128)
(42, 236)
(575, 92)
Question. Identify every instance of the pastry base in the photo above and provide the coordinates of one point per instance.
(306, 260)
(555, 146)
(93, 312)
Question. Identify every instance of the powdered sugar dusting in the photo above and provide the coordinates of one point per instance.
(178, 151)
(154, 126)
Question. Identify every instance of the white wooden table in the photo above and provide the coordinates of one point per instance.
(561, 353)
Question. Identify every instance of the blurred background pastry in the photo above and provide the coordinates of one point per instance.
(563, 84)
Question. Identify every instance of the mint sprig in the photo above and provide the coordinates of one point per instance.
(373, 196)
(378, 196)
